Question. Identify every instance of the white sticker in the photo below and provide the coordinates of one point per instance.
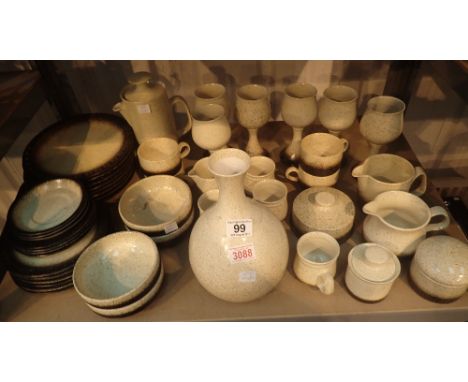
(144, 109)
(247, 277)
(171, 228)
(241, 253)
(239, 228)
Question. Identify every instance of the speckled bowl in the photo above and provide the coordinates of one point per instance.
(155, 203)
(116, 269)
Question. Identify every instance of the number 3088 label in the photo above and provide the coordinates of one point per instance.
(241, 253)
(239, 228)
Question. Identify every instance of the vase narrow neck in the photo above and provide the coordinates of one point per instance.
(231, 189)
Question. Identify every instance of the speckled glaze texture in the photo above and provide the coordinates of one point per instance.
(209, 241)
(323, 209)
(202, 176)
(382, 121)
(272, 194)
(261, 168)
(399, 221)
(440, 267)
(211, 129)
(387, 172)
(337, 108)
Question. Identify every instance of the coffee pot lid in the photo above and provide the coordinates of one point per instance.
(444, 259)
(140, 88)
(374, 263)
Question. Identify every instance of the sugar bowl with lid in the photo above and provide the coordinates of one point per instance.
(440, 267)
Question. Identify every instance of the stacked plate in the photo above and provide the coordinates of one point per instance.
(48, 226)
(159, 206)
(119, 274)
(96, 149)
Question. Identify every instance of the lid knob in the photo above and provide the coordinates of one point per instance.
(325, 199)
(376, 255)
(139, 78)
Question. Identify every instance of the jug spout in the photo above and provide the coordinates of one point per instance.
(359, 171)
(371, 208)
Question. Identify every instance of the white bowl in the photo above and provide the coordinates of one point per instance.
(155, 203)
(115, 269)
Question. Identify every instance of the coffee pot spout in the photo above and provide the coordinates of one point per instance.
(359, 171)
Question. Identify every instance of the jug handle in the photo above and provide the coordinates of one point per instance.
(175, 99)
(289, 174)
(421, 189)
(438, 211)
(326, 284)
(117, 107)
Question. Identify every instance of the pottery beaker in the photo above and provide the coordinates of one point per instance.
(272, 194)
(337, 108)
(210, 130)
(211, 93)
(387, 172)
(399, 221)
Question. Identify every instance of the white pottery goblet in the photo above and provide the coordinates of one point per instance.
(253, 112)
(211, 93)
(382, 121)
(210, 130)
(299, 109)
(337, 108)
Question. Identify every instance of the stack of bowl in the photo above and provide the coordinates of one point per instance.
(47, 228)
(159, 206)
(96, 149)
(119, 274)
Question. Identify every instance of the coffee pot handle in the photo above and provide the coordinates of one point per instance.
(178, 99)
(289, 174)
(326, 284)
(116, 107)
(421, 189)
(438, 211)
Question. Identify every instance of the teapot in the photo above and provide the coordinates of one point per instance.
(147, 108)
(399, 221)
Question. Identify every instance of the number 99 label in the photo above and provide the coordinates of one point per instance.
(241, 253)
(239, 228)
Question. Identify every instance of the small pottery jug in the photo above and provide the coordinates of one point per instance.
(211, 93)
(148, 110)
(211, 130)
(238, 249)
(399, 221)
(299, 110)
(337, 109)
(387, 172)
(382, 121)
(202, 176)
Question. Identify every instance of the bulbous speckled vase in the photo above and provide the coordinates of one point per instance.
(238, 249)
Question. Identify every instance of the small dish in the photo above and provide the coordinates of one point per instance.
(155, 204)
(116, 268)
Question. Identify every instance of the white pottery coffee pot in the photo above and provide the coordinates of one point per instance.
(399, 221)
(147, 108)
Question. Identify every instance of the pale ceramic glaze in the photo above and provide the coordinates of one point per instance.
(47, 205)
(440, 267)
(261, 168)
(387, 172)
(323, 209)
(155, 203)
(272, 194)
(148, 110)
(322, 152)
(211, 93)
(253, 111)
(134, 306)
(207, 199)
(299, 109)
(371, 272)
(202, 176)
(382, 121)
(80, 147)
(209, 242)
(211, 130)
(399, 221)
(159, 155)
(116, 268)
(315, 261)
(337, 108)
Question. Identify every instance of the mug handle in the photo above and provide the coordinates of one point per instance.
(184, 149)
(438, 211)
(421, 189)
(289, 174)
(116, 107)
(326, 284)
(178, 99)
(345, 144)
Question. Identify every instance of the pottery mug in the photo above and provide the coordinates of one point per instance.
(315, 261)
(162, 155)
(388, 172)
(272, 194)
(261, 168)
(320, 161)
